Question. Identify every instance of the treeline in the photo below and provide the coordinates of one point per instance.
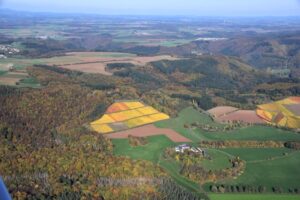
(145, 80)
(118, 66)
(137, 141)
(278, 92)
(239, 144)
(237, 189)
(60, 70)
(205, 102)
(198, 173)
(251, 189)
(49, 47)
(171, 190)
(292, 145)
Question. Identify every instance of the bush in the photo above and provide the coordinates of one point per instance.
(214, 188)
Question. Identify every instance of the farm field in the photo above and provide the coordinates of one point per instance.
(252, 197)
(151, 151)
(122, 116)
(149, 130)
(264, 166)
(18, 78)
(256, 132)
(283, 172)
(220, 160)
(258, 154)
(89, 62)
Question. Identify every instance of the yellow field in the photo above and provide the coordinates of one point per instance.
(148, 110)
(102, 128)
(105, 119)
(277, 113)
(134, 105)
(159, 117)
(127, 114)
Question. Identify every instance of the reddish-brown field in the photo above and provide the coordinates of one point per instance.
(9, 81)
(95, 62)
(294, 108)
(221, 110)
(149, 130)
(246, 116)
(88, 68)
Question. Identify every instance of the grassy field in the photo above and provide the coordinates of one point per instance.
(2, 73)
(220, 160)
(29, 82)
(266, 166)
(21, 63)
(283, 172)
(151, 151)
(253, 197)
(190, 115)
(254, 155)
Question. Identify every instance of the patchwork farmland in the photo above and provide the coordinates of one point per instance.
(283, 113)
(126, 115)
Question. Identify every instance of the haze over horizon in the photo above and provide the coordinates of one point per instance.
(165, 7)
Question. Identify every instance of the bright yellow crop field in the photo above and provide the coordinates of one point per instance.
(127, 114)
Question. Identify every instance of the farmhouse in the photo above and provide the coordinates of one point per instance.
(187, 148)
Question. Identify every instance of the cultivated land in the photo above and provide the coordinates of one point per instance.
(149, 130)
(252, 197)
(19, 78)
(96, 62)
(256, 132)
(89, 62)
(264, 166)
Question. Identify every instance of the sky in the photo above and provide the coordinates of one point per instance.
(161, 7)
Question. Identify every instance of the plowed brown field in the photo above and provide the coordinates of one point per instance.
(149, 130)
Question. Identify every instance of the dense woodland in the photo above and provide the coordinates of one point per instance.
(50, 154)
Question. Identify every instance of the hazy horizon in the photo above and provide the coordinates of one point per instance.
(166, 7)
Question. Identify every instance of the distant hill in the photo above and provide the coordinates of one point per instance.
(260, 51)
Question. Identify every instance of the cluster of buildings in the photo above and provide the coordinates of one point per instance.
(6, 49)
(2, 56)
(187, 148)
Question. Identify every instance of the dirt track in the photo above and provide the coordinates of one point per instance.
(149, 130)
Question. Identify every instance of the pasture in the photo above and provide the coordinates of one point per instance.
(252, 197)
(151, 151)
(282, 172)
(255, 132)
(258, 154)
(18, 78)
(264, 166)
